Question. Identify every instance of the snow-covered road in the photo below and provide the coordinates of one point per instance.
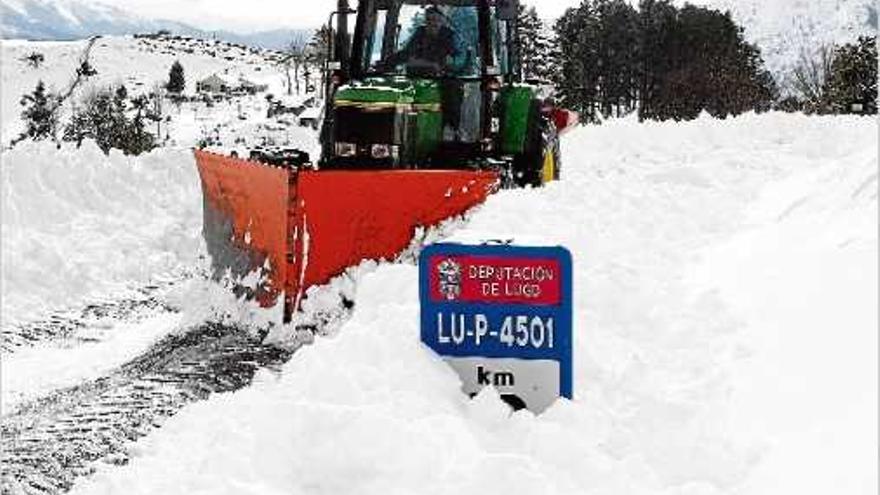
(726, 340)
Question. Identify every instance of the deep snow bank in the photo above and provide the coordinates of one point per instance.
(663, 350)
(78, 224)
(802, 274)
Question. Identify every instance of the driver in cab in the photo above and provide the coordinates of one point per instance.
(432, 49)
(432, 44)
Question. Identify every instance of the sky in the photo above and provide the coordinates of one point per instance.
(254, 15)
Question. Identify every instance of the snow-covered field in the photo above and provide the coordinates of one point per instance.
(139, 64)
(726, 328)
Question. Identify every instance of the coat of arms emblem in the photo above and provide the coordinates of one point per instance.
(450, 279)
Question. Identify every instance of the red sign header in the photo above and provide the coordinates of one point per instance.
(495, 279)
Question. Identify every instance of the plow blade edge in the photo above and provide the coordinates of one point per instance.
(298, 229)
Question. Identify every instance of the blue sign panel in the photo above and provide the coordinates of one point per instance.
(501, 316)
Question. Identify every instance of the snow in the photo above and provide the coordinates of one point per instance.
(32, 373)
(725, 294)
(139, 64)
(784, 29)
(810, 241)
(78, 224)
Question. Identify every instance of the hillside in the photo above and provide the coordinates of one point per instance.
(784, 29)
(65, 20)
(141, 64)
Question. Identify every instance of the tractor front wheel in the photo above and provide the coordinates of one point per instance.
(539, 162)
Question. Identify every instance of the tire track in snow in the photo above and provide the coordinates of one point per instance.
(54, 440)
(140, 303)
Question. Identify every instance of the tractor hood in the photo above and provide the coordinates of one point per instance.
(403, 113)
(390, 93)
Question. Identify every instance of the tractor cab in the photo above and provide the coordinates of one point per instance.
(426, 85)
(414, 40)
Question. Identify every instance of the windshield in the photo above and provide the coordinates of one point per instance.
(429, 41)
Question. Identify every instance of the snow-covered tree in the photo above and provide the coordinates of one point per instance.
(34, 59)
(103, 117)
(85, 70)
(40, 114)
(851, 86)
(537, 43)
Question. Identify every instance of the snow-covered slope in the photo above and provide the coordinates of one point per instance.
(66, 20)
(725, 295)
(140, 64)
(784, 29)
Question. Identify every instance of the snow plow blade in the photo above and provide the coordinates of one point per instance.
(298, 229)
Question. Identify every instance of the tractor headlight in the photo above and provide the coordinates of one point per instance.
(380, 151)
(346, 150)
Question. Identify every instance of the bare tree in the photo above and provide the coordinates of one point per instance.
(808, 78)
(318, 50)
(294, 58)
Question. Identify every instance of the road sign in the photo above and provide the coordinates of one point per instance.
(501, 316)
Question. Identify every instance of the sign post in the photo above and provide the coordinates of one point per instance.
(501, 316)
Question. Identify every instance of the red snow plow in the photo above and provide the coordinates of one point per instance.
(297, 229)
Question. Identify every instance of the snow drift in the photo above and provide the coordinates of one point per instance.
(78, 224)
(725, 295)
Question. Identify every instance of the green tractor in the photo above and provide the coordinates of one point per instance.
(436, 85)
(426, 116)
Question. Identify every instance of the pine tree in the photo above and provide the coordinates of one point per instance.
(673, 63)
(548, 44)
(34, 59)
(103, 118)
(176, 79)
(85, 70)
(657, 46)
(618, 45)
(137, 139)
(851, 86)
(528, 31)
(40, 114)
(577, 32)
(538, 51)
(698, 60)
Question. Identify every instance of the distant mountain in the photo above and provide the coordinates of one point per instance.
(77, 19)
(784, 29)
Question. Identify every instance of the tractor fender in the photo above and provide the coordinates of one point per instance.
(529, 163)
